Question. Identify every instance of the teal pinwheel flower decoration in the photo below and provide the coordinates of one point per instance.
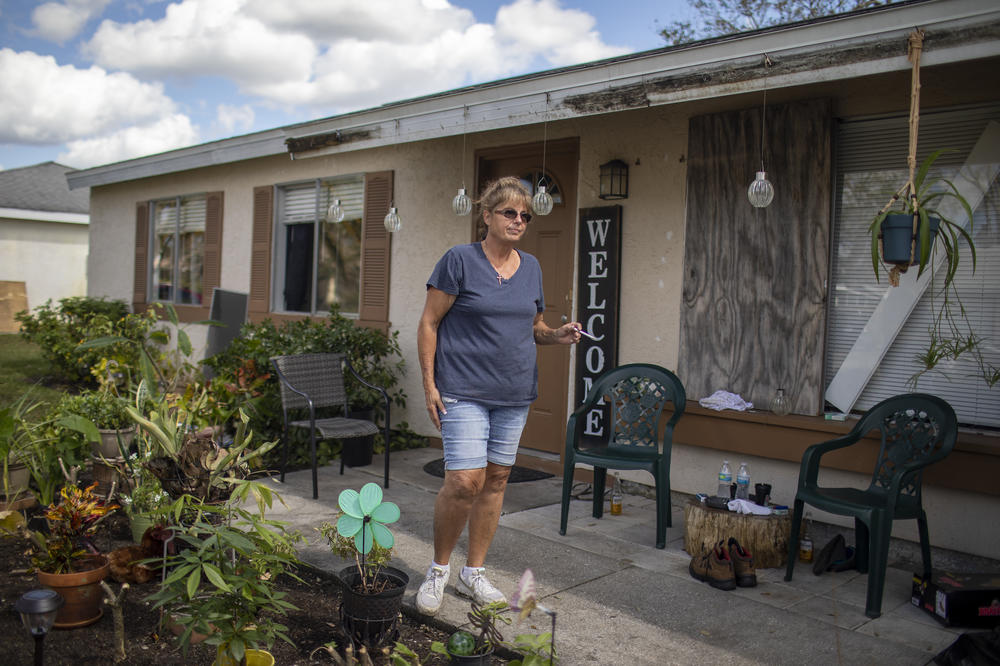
(365, 517)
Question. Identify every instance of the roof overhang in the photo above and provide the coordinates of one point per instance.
(44, 216)
(852, 45)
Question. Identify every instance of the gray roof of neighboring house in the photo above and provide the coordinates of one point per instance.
(42, 187)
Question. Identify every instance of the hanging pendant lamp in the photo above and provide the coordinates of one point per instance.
(335, 213)
(542, 202)
(461, 204)
(392, 222)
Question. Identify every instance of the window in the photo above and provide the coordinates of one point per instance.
(318, 262)
(178, 252)
(871, 165)
(273, 223)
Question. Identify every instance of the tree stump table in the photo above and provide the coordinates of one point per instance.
(766, 537)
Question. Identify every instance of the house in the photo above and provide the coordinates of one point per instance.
(679, 270)
(43, 239)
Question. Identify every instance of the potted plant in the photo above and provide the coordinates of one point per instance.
(373, 592)
(66, 559)
(222, 579)
(16, 435)
(903, 232)
(113, 429)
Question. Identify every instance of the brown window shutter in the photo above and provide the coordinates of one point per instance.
(375, 246)
(260, 250)
(140, 282)
(212, 265)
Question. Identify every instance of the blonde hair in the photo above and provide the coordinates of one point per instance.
(501, 190)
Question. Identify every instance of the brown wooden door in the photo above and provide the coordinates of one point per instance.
(550, 238)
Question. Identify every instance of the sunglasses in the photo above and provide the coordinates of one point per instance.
(512, 214)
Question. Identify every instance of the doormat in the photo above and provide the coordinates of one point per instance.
(517, 475)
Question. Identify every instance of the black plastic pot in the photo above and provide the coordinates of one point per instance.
(897, 232)
(358, 451)
(470, 659)
(371, 619)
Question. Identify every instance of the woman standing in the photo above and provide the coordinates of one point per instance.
(476, 341)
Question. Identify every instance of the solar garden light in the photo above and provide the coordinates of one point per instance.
(38, 610)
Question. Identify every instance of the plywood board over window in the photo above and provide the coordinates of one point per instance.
(753, 311)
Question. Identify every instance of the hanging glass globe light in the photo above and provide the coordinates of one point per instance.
(541, 203)
(391, 221)
(760, 191)
(461, 204)
(335, 213)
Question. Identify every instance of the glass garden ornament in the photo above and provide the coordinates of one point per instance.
(541, 203)
(392, 221)
(761, 192)
(461, 204)
(335, 213)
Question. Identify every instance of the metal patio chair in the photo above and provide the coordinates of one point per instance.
(316, 381)
(634, 397)
(916, 430)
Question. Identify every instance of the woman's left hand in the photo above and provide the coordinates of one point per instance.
(567, 334)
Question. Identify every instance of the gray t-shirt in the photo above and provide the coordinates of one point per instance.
(486, 343)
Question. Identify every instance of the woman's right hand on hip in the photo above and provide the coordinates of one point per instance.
(435, 406)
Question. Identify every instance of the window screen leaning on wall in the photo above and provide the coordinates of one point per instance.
(179, 250)
(871, 165)
(317, 261)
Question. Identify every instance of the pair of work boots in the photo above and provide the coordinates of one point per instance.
(725, 567)
(835, 556)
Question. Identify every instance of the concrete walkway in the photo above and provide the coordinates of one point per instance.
(618, 599)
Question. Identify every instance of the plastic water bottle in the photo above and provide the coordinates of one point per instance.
(725, 480)
(743, 482)
(616, 497)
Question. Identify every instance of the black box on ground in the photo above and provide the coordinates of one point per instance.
(959, 599)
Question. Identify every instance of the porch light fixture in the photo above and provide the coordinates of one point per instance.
(542, 202)
(462, 204)
(761, 192)
(335, 213)
(38, 609)
(614, 180)
(392, 222)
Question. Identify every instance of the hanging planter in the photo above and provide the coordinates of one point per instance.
(900, 246)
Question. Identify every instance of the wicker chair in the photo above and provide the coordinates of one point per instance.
(316, 381)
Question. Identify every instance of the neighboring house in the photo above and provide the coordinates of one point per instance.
(730, 297)
(43, 239)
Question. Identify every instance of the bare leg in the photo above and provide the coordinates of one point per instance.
(452, 508)
(485, 513)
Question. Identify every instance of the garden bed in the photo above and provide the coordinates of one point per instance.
(313, 625)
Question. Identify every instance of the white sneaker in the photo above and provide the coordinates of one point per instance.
(430, 596)
(476, 587)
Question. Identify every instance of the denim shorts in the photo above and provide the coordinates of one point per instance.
(473, 433)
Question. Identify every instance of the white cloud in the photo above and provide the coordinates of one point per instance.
(175, 131)
(561, 36)
(59, 22)
(234, 119)
(342, 55)
(57, 103)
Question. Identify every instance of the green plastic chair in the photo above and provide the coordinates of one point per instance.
(916, 430)
(634, 396)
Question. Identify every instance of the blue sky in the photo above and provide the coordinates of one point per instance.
(99, 81)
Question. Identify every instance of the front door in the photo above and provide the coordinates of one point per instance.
(550, 238)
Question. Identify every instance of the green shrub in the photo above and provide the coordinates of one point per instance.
(105, 410)
(59, 331)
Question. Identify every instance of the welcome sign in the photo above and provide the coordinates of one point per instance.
(598, 279)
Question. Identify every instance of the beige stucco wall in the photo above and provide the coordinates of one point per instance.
(49, 257)
(653, 142)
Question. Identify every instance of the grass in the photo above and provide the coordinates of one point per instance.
(24, 369)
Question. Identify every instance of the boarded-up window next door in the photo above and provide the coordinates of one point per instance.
(753, 311)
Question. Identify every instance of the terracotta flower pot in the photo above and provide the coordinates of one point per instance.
(81, 590)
